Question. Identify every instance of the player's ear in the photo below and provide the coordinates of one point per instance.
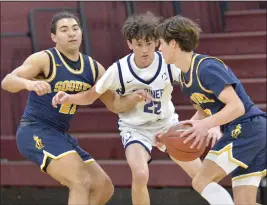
(173, 43)
(130, 45)
(53, 37)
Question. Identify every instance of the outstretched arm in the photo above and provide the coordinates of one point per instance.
(103, 90)
(114, 102)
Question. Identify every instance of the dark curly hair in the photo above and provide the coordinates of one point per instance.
(140, 26)
(62, 15)
(181, 29)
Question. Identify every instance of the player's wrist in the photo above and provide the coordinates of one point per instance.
(28, 84)
(209, 122)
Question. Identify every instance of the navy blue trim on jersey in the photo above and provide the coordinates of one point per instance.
(170, 73)
(140, 79)
(96, 69)
(50, 66)
(121, 78)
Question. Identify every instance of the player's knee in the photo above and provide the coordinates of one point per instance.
(140, 177)
(108, 187)
(81, 180)
(198, 183)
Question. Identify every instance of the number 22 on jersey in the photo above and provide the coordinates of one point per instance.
(153, 107)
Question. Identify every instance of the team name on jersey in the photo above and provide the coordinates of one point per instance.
(199, 98)
(156, 94)
(71, 85)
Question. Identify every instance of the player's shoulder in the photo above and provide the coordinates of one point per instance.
(211, 63)
(40, 57)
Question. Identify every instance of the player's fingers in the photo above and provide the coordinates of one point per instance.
(159, 144)
(158, 135)
(63, 99)
(59, 95)
(187, 132)
(148, 97)
(47, 86)
(140, 98)
(186, 122)
(37, 90)
(55, 98)
(42, 87)
(201, 141)
(196, 140)
(208, 139)
(54, 102)
(214, 140)
(190, 137)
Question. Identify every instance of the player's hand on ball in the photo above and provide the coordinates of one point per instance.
(214, 134)
(40, 87)
(141, 95)
(198, 132)
(158, 142)
(61, 98)
(160, 145)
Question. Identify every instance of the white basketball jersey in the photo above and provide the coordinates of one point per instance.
(159, 85)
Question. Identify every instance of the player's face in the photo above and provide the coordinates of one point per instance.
(167, 51)
(68, 34)
(143, 51)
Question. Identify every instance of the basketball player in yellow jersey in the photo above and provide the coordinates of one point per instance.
(41, 136)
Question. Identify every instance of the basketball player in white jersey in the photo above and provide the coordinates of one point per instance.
(142, 69)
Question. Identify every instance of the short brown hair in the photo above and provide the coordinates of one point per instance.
(140, 26)
(62, 15)
(181, 29)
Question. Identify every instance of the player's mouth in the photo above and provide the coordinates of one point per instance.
(71, 41)
(145, 56)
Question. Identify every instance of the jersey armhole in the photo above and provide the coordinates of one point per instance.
(52, 66)
(198, 76)
(96, 69)
(121, 78)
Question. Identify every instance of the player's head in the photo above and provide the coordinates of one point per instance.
(139, 32)
(66, 31)
(177, 35)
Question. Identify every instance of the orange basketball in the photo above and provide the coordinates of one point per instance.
(175, 146)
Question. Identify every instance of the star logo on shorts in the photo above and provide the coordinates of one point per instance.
(38, 142)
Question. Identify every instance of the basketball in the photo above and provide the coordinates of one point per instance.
(175, 146)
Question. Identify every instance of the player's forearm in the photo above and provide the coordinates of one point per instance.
(198, 115)
(123, 104)
(230, 112)
(84, 98)
(13, 83)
